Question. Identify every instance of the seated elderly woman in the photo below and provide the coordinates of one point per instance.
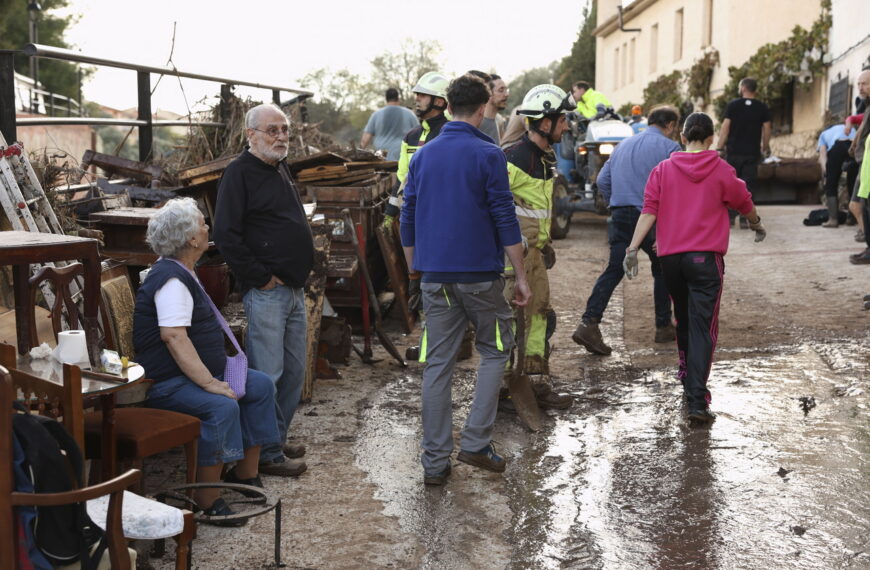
(179, 339)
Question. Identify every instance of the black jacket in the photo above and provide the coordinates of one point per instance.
(260, 225)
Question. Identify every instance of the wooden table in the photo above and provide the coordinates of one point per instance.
(20, 249)
(124, 232)
(92, 387)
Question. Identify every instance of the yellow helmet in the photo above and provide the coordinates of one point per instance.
(432, 83)
(545, 100)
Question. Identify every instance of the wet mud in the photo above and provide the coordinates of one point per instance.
(781, 479)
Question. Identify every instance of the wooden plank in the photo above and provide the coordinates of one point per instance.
(314, 296)
(397, 270)
(212, 168)
(116, 164)
(320, 171)
(125, 216)
(302, 162)
(342, 265)
(365, 176)
(384, 166)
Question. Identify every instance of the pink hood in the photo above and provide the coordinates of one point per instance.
(690, 194)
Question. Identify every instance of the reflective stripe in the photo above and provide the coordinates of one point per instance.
(498, 343)
(446, 297)
(537, 214)
(394, 200)
(424, 342)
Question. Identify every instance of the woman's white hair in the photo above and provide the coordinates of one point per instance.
(172, 226)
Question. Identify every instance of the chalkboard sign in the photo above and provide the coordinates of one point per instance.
(838, 100)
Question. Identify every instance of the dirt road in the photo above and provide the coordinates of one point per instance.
(780, 480)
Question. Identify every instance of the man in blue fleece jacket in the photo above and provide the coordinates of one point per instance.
(457, 222)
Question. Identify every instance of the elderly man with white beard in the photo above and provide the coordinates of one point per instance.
(262, 232)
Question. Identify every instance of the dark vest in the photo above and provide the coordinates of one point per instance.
(204, 331)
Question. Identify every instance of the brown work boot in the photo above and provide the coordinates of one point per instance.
(588, 336)
(537, 364)
(666, 333)
(285, 467)
(548, 399)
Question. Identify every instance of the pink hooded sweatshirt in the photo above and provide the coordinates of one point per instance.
(690, 194)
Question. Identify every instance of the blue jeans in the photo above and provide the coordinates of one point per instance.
(228, 427)
(276, 345)
(620, 231)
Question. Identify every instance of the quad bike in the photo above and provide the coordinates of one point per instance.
(588, 143)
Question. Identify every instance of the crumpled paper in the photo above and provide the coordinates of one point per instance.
(41, 351)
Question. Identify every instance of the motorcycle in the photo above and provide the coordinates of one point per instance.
(586, 145)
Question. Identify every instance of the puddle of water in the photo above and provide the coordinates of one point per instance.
(647, 491)
(621, 480)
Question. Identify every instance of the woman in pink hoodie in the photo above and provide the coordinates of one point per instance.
(687, 197)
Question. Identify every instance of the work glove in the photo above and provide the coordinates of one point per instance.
(388, 220)
(629, 264)
(549, 256)
(415, 296)
(758, 228)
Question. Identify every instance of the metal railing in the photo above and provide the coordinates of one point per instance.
(144, 122)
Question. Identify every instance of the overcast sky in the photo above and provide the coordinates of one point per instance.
(278, 42)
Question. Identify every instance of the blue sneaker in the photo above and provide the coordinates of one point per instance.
(486, 458)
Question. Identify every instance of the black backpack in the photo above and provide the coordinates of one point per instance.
(65, 533)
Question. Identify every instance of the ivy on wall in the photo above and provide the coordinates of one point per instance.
(665, 90)
(682, 88)
(777, 66)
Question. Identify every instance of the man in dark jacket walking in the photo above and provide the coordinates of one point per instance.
(457, 223)
(262, 232)
(621, 182)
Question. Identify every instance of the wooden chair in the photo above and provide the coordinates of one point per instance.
(140, 432)
(9, 499)
(65, 401)
(61, 402)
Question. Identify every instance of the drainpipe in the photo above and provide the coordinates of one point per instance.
(621, 24)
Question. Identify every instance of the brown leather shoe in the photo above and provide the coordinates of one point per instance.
(666, 333)
(294, 450)
(589, 337)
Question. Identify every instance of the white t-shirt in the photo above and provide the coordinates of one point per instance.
(174, 304)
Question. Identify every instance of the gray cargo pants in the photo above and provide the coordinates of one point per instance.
(448, 308)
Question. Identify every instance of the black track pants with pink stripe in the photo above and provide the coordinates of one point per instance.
(694, 281)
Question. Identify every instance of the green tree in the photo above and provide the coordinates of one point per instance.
(402, 69)
(580, 64)
(521, 84)
(56, 76)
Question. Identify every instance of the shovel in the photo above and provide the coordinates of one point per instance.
(350, 227)
(519, 385)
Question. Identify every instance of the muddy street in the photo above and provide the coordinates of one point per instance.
(620, 480)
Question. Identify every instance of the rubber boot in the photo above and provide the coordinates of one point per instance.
(833, 213)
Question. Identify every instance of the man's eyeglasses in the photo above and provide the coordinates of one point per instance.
(274, 131)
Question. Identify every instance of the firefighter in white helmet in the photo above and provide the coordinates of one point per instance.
(430, 93)
(531, 162)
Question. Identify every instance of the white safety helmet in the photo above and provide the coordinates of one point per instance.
(546, 101)
(432, 83)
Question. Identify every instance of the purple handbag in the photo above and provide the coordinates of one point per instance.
(236, 369)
